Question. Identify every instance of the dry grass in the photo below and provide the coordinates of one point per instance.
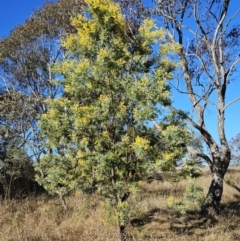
(43, 218)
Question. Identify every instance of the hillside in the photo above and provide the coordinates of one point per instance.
(43, 218)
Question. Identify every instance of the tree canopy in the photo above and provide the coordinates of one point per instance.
(100, 131)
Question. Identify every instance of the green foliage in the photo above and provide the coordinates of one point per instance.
(193, 198)
(14, 161)
(15, 168)
(175, 136)
(177, 204)
(190, 169)
(98, 134)
(121, 212)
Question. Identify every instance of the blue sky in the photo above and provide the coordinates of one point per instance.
(14, 12)
(232, 113)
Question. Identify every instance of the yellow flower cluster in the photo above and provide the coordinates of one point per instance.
(107, 6)
(149, 31)
(105, 134)
(104, 98)
(145, 82)
(171, 201)
(122, 106)
(82, 66)
(82, 120)
(103, 53)
(141, 143)
(69, 41)
(169, 156)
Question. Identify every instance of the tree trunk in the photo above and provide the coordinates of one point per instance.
(63, 201)
(215, 191)
(121, 232)
(121, 227)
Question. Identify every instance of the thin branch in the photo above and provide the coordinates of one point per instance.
(201, 128)
(228, 22)
(219, 25)
(235, 61)
(210, 90)
(199, 23)
(202, 63)
(230, 103)
(200, 154)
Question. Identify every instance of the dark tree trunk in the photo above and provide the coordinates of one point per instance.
(215, 191)
(121, 227)
(121, 230)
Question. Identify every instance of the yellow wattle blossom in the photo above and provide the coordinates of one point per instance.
(145, 82)
(80, 154)
(111, 10)
(106, 18)
(50, 114)
(171, 201)
(85, 39)
(68, 88)
(79, 21)
(82, 120)
(93, 3)
(81, 162)
(149, 30)
(165, 49)
(89, 85)
(141, 143)
(105, 134)
(169, 156)
(104, 98)
(122, 106)
(92, 27)
(103, 53)
(135, 111)
(69, 41)
(82, 66)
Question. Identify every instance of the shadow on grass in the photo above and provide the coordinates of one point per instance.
(191, 221)
(145, 218)
(228, 218)
(179, 223)
(231, 208)
(164, 224)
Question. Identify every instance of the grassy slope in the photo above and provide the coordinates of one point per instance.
(43, 218)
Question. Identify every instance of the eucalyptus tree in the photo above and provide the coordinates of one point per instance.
(27, 56)
(208, 36)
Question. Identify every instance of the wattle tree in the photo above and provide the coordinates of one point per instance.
(99, 135)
